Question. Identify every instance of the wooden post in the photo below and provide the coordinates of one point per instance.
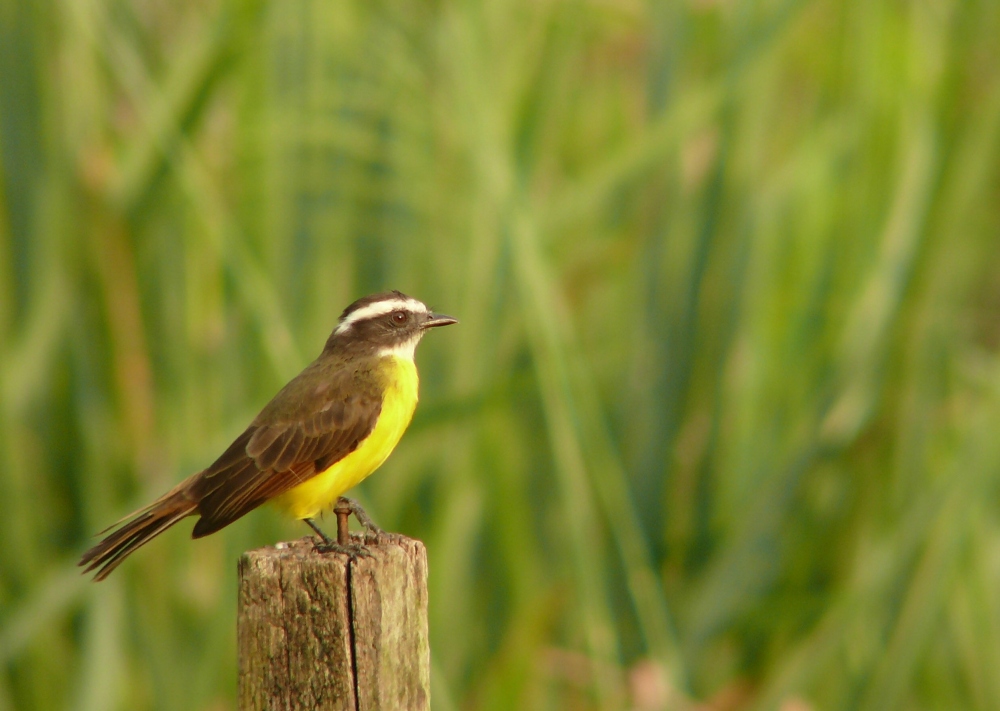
(318, 631)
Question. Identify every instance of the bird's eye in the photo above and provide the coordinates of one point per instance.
(399, 317)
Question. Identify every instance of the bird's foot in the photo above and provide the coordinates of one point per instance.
(378, 537)
(373, 534)
(353, 550)
(325, 544)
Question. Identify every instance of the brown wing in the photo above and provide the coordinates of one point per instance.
(304, 430)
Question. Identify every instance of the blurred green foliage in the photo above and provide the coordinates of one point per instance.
(719, 427)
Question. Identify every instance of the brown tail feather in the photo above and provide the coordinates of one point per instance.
(137, 529)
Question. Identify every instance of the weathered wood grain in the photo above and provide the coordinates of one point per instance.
(317, 631)
(391, 646)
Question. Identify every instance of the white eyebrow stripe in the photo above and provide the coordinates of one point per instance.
(380, 308)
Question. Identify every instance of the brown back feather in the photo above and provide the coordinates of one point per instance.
(281, 453)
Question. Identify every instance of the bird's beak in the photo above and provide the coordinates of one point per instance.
(434, 320)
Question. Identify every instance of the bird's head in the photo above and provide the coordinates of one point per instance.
(389, 323)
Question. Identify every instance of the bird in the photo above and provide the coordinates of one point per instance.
(324, 432)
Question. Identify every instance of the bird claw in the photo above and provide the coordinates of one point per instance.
(352, 550)
(379, 537)
(349, 543)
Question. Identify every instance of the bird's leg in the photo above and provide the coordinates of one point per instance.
(346, 506)
(328, 545)
(319, 531)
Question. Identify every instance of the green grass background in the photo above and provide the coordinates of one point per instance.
(720, 427)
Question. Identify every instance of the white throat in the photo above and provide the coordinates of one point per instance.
(402, 350)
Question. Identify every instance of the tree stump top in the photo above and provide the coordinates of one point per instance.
(322, 631)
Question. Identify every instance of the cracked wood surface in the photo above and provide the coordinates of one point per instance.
(322, 632)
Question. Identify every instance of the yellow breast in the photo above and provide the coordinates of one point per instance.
(321, 491)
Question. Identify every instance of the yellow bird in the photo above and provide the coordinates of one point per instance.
(325, 431)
